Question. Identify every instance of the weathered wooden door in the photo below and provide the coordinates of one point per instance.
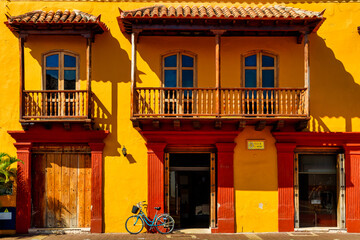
(61, 187)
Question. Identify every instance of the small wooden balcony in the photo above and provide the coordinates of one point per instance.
(224, 103)
(56, 106)
(242, 106)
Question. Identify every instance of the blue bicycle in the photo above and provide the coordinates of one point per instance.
(163, 223)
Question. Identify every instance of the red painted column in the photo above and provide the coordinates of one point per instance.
(285, 165)
(225, 188)
(155, 177)
(23, 197)
(96, 187)
(352, 179)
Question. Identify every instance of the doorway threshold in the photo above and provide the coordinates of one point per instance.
(58, 230)
(193, 230)
(320, 229)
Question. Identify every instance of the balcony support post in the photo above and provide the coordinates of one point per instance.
(22, 39)
(218, 34)
(307, 74)
(89, 41)
(134, 39)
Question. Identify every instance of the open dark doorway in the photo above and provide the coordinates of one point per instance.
(189, 189)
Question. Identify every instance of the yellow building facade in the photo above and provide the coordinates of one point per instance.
(260, 110)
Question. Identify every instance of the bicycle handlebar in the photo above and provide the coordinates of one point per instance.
(139, 204)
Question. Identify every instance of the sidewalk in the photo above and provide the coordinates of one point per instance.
(145, 236)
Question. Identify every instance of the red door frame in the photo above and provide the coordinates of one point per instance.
(158, 141)
(287, 142)
(58, 135)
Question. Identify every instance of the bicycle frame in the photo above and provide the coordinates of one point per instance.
(147, 220)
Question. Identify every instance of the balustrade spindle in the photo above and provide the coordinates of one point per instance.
(189, 111)
(277, 102)
(291, 101)
(263, 102)
(143, 102)
(281, 102)
(286, 102)
(207, 103)
(296, 102)
(272, 102)
(212, 100)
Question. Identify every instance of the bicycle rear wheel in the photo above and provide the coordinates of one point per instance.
(164, 224)
(134, 224)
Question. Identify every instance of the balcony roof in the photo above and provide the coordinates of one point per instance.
(235, 21)
(66, 22)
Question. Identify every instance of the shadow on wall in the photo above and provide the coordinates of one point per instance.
(333, 93)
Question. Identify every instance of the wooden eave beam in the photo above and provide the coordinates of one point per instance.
(260, 125)
(242, 125)
(202, 27)
(58, 32)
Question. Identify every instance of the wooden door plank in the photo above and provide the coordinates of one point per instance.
(73, 190)
(38, 191)
(50, 191)
(81, 191)
(64, 219)
(87, 191)
(57, 190)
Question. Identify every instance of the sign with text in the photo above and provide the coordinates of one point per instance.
(255, 144)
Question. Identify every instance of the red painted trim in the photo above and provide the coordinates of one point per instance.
(155, 177)
(286, 144)
(190, 137)
(285, 166)
(225, 188)
(352, 173)
(96, 187)
(57, 135)
(23, 197)
(157, 141)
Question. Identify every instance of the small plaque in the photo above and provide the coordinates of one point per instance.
(255, 144)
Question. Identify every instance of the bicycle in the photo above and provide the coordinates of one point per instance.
(163, 223)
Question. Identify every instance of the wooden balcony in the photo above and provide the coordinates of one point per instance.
(56, 106)
(224, 103)
(278, 107)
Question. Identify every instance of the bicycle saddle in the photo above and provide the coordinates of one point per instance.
(157, 208)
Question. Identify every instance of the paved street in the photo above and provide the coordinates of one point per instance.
(145, 236)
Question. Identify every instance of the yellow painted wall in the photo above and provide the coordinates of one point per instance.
(255, 183)
(335, 95)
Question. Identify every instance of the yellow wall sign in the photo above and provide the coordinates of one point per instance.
(255, 144)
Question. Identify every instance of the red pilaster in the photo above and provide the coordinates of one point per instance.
(96, 187)
(225, 191)
(23, 197)
(352, 173)
(155, 177)
(285, 152)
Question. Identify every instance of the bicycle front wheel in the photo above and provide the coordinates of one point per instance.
(134, 224)
(164, 224)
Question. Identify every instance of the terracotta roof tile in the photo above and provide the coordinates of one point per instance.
(225, 12)
(202, 11)
(64, 18)
(149, 18)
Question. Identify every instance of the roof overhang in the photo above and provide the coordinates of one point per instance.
(202, 21)
(56, 23)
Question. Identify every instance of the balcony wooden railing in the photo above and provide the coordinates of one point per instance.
(226, 102)
(55, 105)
